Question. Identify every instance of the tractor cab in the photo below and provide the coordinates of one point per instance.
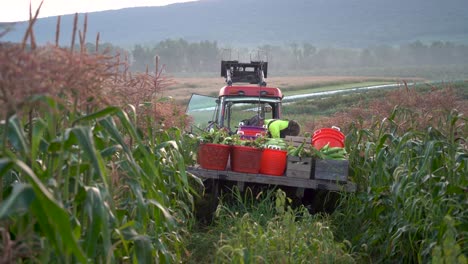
(242, 105)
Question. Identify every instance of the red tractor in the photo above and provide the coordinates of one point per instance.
(239, 108)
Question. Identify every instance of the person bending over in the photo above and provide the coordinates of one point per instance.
(278, 128)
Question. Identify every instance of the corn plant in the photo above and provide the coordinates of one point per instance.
(82, 178)
(84, 194)
(413, 190)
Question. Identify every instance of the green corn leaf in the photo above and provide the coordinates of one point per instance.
(98, 228)
(5, 166)
(110, 151)
(147, 158)
(52, 218)
(18, 201)
(140, 199)
(169, 218)
(143, 250)
(181, 167)
(127, 124)
(98, 115)
(39, 126)
(16, 136)
(382, 140)
(111, 128)
(85, 139)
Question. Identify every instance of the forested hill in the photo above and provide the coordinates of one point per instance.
(340, 23)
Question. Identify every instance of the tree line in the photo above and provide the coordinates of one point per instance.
(181, 56)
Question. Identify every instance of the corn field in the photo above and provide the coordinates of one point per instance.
(90, 169)
(413, 190)
(93, 169)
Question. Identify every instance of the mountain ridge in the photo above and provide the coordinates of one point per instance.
(339, 23)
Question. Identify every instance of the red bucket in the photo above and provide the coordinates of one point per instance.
(213, 156)
(273, 162)
(330, 136)
(245, 159)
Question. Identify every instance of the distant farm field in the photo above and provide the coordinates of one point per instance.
(185, 86)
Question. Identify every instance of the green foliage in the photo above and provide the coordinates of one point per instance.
(449, 251)
(97, 190)
(215, 136)
(265, 229)
(258, 142)
(329, 105)
(436, 60)
(179, 55)
(412, 199)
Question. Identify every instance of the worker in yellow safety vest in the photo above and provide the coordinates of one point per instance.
(278, 128)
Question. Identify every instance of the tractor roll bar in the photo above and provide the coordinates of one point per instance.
(253, 72)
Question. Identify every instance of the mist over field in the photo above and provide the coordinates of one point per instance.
(338, 37)
(339, 23)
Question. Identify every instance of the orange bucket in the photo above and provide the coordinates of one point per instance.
(213, 156)
(330, 136)
(245, 159)
(273, 162)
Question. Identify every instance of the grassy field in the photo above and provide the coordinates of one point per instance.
(290, 85)
(335, 110)
(322, 87)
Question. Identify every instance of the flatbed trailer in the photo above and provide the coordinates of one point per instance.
(316, 195)
(310, 177)
(242, 178)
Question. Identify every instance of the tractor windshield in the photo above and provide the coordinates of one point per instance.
(247, 111)
(202, 110)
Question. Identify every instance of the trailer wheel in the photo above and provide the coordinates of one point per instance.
(320, 201)
(207, 202)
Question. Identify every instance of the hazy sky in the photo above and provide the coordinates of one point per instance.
(18, 10)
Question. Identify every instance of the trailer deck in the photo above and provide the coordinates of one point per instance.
(242, 178)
